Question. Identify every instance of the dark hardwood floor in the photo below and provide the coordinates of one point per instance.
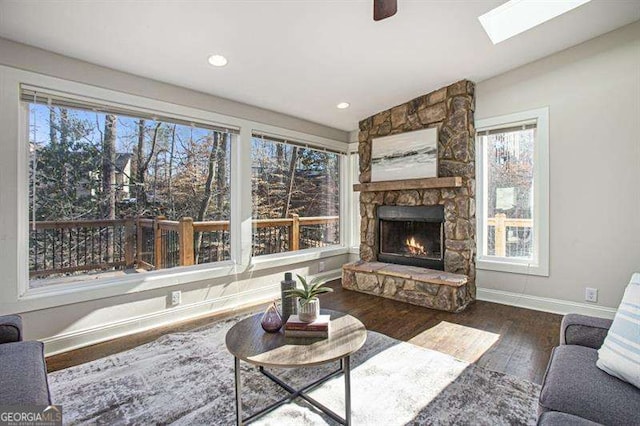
(498, 337)
(502, 338)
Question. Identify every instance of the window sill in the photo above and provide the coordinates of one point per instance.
(64, 294)
(500, 265)
(283, 259)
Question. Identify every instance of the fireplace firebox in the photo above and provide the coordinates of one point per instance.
(411, 235)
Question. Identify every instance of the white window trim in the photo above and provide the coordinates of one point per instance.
(353, 199)
(14, 203)
(540, 265)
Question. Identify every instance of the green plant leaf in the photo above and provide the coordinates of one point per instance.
(304, 301)
(297, 292)
(303, 280)
(309, 290)
(317, 285)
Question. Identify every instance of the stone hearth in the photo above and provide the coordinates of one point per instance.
(420, 286)
(450, 109)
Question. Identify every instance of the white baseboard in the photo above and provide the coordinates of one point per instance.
(556, 306)
(76, 339)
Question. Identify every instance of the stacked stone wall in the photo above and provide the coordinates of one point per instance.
(449, 109)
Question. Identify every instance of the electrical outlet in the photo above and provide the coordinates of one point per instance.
(591, 294)
(176, 297)
(321, 266)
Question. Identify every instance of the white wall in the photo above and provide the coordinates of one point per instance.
(593, 94)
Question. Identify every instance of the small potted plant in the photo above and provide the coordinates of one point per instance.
(308, 302)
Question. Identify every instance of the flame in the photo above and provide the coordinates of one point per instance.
(414, 247)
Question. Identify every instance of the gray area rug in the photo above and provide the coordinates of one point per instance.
(187, 379)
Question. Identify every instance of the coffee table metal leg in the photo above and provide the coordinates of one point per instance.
(238, 391)
(345, 369)
(347, 390)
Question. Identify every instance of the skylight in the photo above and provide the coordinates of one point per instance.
(517, 16)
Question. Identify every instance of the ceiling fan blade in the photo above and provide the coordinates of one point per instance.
(384, 8)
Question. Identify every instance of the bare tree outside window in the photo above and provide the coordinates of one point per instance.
(113, 193)
(296, 197)
(509, 155)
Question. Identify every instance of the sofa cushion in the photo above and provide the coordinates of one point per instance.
(574, 384)
(620, 352)
(554, 418)
(23, 374)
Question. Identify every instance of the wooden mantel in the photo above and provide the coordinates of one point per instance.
(401, 185)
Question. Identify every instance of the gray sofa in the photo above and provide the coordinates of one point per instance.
(23, 372)
(574, 390)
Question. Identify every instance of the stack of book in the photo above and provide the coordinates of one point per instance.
(318, 328)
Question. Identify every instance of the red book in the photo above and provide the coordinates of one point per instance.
(320, 324)
(307, 334)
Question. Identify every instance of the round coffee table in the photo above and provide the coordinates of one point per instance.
(248, 342)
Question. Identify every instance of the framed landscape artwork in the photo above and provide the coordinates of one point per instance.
(410, 155)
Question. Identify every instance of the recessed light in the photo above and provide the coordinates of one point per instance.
(218, 60)
(343, 105)
(517, 16)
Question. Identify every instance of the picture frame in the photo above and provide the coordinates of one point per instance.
(409, 155)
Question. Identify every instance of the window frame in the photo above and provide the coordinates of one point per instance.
(14, 207)
(132, 113)
(539, 265)
(354, 199)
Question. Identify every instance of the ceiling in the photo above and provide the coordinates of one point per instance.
(300, 57)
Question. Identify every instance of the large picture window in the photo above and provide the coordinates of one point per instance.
(513, 193)
(296, 196)
(110, 193)
(114, 193)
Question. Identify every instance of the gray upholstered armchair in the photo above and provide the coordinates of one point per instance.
(575, 392)
(23, 371)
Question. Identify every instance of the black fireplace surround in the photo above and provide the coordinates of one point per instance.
(412, 235)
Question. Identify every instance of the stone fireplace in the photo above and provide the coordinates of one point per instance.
(418, 236)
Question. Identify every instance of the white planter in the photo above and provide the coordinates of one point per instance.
(309, 311)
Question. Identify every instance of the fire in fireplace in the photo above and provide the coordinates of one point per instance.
(412, 235)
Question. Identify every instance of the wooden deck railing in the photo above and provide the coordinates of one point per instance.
(61, 247)
(501, 226)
